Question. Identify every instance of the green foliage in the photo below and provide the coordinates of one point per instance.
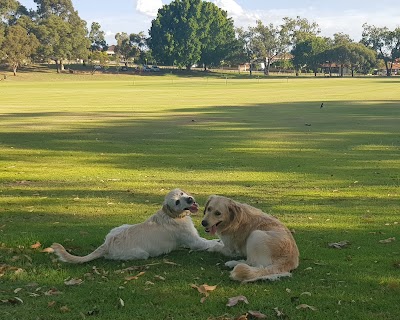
(385, 42)
(96, 38)
(176, 33)
(18, 46)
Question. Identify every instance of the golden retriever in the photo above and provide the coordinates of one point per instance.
(269, 247)
(168, 229)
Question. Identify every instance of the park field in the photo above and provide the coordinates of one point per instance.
(81, 154)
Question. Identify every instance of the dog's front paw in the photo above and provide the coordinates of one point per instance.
(232, 263)
(215, 246)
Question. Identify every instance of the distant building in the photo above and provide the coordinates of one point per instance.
(111, 50)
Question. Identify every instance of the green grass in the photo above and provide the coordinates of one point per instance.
(80, 154)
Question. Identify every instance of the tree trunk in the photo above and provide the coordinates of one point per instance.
(15, 67)
(341, 70)
(56, 61)
(61, 65)
(266, 67)
(388, 70)
(188, 68)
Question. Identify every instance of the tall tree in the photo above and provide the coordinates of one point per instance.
(18, 46)
(267, 43)
(298, 29)
(61, 32)
(245, 50)
(175, 34)
(218, 35)
(307, 53)
(97, 38)
(385, 42)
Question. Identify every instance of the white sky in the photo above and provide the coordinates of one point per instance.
(346, 16)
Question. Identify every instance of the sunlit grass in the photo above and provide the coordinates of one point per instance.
(80, 154)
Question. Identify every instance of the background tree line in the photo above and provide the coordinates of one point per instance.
(187, 33)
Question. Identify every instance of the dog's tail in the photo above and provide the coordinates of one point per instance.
(245, 273)
(63, 255)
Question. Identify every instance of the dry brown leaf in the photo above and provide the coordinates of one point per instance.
(339, 245)
(64, 309)
(242, 317)
(306, 306)
(235, 300)
(279, 313)
(257, 314)
(135, 277)
(51, 304)
(48, 250)
(36, 245)
(204, 288)
(73, 282)
(389, 240)
(170, 262)
(52, 292)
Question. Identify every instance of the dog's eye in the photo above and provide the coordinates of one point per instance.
(177, 202)
(217, 213)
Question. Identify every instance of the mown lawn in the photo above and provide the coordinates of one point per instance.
(80, 154)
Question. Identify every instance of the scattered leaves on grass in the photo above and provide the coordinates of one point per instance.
(339, 245)
(36, 245)
(73, 282)
(388, 240)
(257, 314)
(13, 301)
(134, 277)
(170, 262)
(279, 313)
(64, 309)
(306, 307)
(51, 304)
(235, 300)
(52, 292)
(158, 277)
(203, 289)
(121, 303)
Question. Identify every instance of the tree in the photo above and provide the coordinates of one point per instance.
(175, 34)
(61, 32)
(298, 29)
(266, 43)
(97, 38)
(309, 53)
(18, 46)
(385, 42)
(218, 39)
(244, 42)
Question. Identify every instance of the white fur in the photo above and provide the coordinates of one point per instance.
(168, 229)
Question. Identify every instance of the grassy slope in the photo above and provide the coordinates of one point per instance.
(81, 154)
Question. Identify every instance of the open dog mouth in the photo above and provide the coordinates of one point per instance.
(193, 208)
(212, 230)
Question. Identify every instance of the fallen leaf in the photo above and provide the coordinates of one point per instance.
(48, 250)
(339, 245)
(257, 314)
(306, 306)
(73, 282)
(13, 301)
(64, 309)
(279, 313)
(159, 277)
(17, 290)
(389, 240)
(135, 277)
(170, 262)
(305, 293)
(235, 300)
(52, 292)
(121, 302)
(204, 288)
(51, 304)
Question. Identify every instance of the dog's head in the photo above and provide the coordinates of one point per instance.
(220, 213)
(179, 203)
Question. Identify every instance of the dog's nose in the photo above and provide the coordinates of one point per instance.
(204, 223)
(190, 200)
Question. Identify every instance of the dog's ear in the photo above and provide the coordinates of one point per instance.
(234, 210)
(207, 203)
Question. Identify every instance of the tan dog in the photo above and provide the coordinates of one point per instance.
(245, 231)
(168, 229)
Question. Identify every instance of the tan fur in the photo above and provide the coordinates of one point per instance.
(268, 245)
(168, 229)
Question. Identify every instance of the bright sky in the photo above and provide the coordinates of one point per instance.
(348, 16)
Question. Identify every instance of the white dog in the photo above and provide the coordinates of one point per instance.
(269, 247)
(168, 229)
